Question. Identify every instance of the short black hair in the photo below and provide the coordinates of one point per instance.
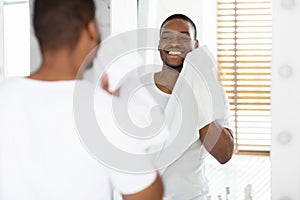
(180, 16)
(58, 23)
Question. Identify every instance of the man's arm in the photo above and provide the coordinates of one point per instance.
(218, 141)
(153, 192)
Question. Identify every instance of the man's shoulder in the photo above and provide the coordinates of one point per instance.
(9, 83)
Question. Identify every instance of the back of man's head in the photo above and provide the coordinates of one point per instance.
(58, 23)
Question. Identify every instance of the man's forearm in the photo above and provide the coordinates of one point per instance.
(218, 141)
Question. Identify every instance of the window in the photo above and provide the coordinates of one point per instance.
(16, 37)
(244, 33)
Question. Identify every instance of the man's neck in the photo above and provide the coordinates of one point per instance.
(57, 66)
(166, 79)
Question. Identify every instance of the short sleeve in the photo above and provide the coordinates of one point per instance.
(127, 183)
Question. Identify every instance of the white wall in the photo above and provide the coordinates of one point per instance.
(209, 26)
(123, 16)
(285, 152)
(1, 42)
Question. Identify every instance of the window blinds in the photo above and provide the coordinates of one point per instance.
(244, 56)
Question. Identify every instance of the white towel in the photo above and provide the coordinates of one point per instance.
(197, 99)
(210, 94)
(116, 58)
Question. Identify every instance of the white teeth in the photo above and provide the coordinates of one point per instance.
(174, 52)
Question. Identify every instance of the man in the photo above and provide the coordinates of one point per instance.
(185, 178)
(41, 156)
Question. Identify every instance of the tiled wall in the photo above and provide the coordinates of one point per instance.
(237, 174)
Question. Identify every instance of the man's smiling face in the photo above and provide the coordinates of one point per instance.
(177, 38)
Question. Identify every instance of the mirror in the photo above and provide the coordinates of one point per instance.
(249, 171)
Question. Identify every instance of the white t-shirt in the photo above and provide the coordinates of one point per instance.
(41, 156)
(185, 178)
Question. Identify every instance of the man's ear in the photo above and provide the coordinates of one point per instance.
(196, 44)
(93, 31)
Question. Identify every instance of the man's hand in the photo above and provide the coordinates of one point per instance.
(105, 86)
